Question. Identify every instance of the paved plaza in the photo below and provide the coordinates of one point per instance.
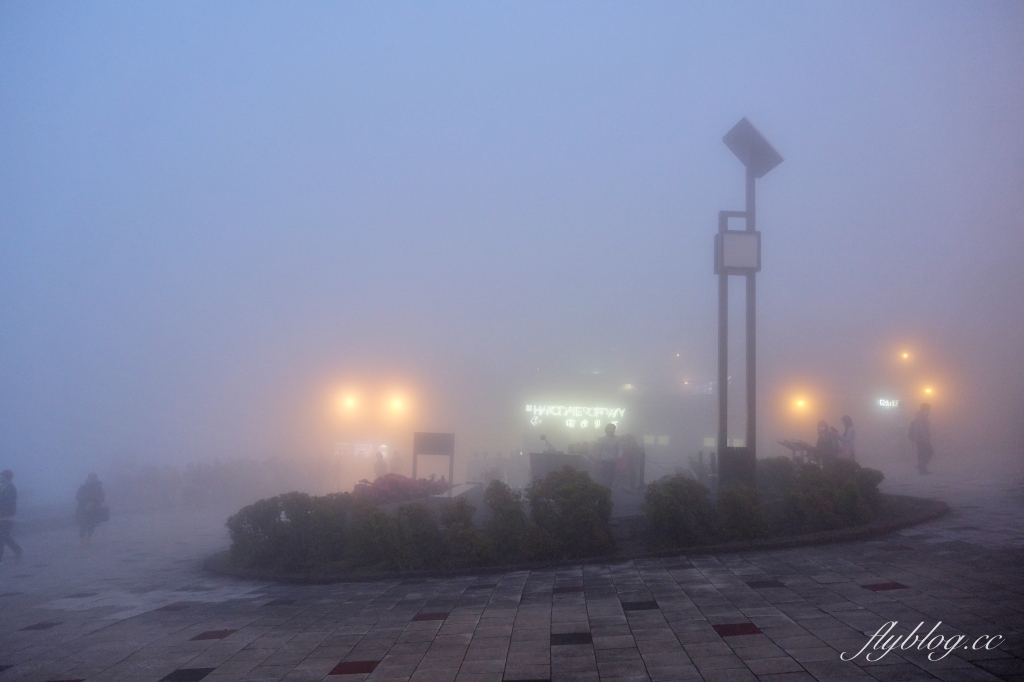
(136, 605)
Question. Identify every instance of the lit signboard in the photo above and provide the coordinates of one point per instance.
(575, 416)
(883, 402)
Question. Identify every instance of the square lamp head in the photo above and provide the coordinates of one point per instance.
(750, 147)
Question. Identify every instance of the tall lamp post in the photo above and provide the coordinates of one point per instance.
(738, 252)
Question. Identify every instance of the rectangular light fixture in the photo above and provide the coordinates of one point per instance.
(737, 252)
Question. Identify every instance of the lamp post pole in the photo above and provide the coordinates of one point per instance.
(751, 441)
(739, 253)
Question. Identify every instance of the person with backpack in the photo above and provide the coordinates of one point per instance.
(920, 434)
(91, 510)
(8, 508)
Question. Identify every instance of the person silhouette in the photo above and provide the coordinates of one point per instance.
(8, 508)
(609, 451)
(921, 435)
(90, 509)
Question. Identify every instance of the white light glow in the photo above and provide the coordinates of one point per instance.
(577, 416)
(884, 402)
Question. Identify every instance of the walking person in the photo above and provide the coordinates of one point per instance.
(8, 508)
(91, 510)
(848, 441)
(921, 435)
(609, 452)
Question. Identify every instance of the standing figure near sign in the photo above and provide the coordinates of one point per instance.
(848, 441)
(380, 467)
(921, 436)
(609, 451)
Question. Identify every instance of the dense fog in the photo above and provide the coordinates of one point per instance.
(239, 243)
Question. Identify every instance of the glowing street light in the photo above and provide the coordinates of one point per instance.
(347, 403)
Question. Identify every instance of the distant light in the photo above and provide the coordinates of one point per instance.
(396, 404)
(627, 387)
(677, 355)
(886, 403)
(906, 356)
(928, 390)
(800, 403)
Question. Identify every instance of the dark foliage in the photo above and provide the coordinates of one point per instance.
(679, 512)
(297, 532)
(810, 496)
(573, 512)
(289, 531)
(740, 514)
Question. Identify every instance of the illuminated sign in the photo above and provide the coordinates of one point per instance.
(576, 416)
(888, 403)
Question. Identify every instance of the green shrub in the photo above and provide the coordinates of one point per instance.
(573, 512)
(372, 536)
(806, 511)
(776, 477)
(253, 530)
(678, 511)
(409, 539)
(327, 527)
(277, 532)
(464, 543)
(829, 495)
(506, 526)
(423, 540)
(740, 514)
(868, 481)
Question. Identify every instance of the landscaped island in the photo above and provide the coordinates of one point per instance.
(396, 524)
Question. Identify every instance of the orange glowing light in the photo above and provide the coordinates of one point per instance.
(928, 390)
(800, 403)
(347, 403)
(906, 356)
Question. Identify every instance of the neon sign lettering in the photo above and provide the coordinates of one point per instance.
(577, 416)
(888, 403)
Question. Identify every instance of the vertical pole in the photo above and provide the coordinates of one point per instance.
(414, 456)
(751, 328)
(451, 474)
(723, 347)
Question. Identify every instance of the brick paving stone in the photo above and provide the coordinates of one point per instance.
(642, 620)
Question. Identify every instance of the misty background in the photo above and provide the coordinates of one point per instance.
(218, 219)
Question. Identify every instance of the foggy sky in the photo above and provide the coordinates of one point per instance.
(215, 216)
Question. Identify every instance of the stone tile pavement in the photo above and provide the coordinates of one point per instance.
(136, 606)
